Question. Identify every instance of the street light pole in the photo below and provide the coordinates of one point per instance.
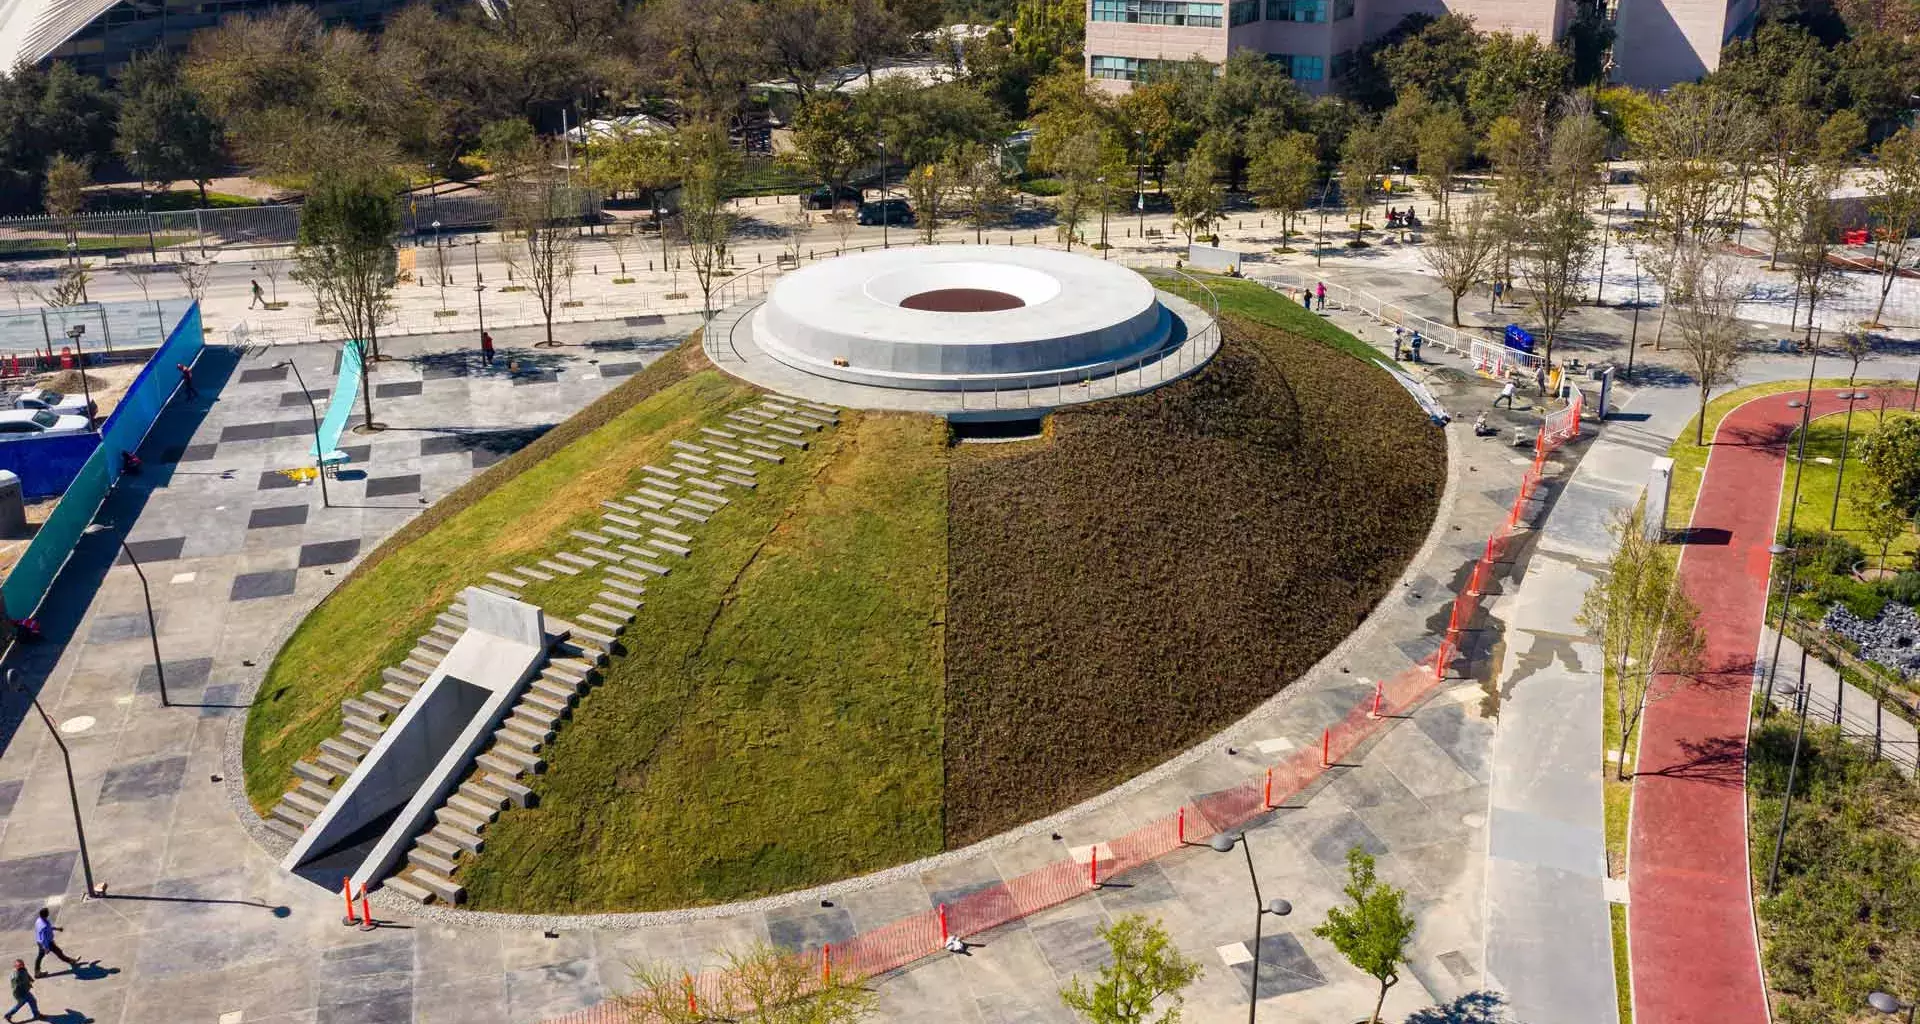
(1224, 842)
(1104, 203)
(1140, 190)
(1793, 770)
(73, 792)
(480, 289)
(80, 359)
(1606, 228)
(886, 212)
(1840, 482)
(153, 633)
(1779, 553)
(319, 455)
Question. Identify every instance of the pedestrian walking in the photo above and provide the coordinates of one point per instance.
(1306, 299)
(1499, 288)
(486, 347)
(1397, 332)
(258, 300)
(1540, 378)
(1506, 395)
(43, 930)
(23, 992)
(186, 380)
(1415, 344)
(1320, 292)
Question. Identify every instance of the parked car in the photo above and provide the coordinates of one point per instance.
(18, 423)
(886, 211)
(42, 398)
(824, 198)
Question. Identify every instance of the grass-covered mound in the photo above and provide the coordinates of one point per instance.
(1166, 562)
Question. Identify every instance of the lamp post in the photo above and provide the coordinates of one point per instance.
(886, 212)
(1793, 771)
(1606, 228)
(480, 289)
(1890, 1005)
(319, 455)
(80, 359)
(1224, 842)
(73, 792)
(1779, 553)
(1840, 482)
(153, 255)
(153, 632)
(1140, 187)
(440, 263)
(1104, 247)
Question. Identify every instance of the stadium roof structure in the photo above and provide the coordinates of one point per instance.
(31, 30)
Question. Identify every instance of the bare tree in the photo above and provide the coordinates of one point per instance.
(1649, 628)
(1855, 346)
(1710, 287)
(926, 186)
(1896, 205)
(1558, 245)
(622, 242)
(980, 188)
(707, 167)
(1462, 249)
(539, 240)
(194, 276)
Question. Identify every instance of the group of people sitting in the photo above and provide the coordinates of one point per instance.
(1402, 218)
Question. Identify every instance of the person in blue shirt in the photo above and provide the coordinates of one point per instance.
(43, 930)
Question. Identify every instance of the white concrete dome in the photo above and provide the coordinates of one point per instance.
(948, 318)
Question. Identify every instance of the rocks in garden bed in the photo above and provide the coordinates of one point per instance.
(1892, 640)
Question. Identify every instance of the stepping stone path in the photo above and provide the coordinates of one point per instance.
(637, 534)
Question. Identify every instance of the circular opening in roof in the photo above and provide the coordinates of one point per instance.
(963, 300)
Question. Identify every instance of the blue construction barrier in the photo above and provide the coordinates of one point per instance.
(47, 466)
(26, 586)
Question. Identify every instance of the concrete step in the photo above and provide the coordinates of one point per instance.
(620, 572)
(687, 446)
(341, 766)
(591, 538)
(589, 657)
(614, 506)
(440, 846)
(285, 828)
(546, 718)
(456, 621)
(453, 817)
(535, 574)
(520, 795)
(361, 724)
(341, 747)
(678, 550)
(522, 733)
(622, 534)
(711, 432)
(572, 559)
(496, 760)
(477, 808)
(507, 580)
(690, 463)
(416, 893)
(638, 562)
(798, 422)
(292, 815)
(765, 454)
(430, 860)
(621, 616)
(737, 480)
(659, 495)
(592, 638)
(360, 707)
(603, 554)
(423, 669)
(446, 889)
(471, 842)
(524, 761)
(672, 535)
(643, 503)
(560, 567)
(402, 676)
(365, 739)
(627, 587)
(480, 788)
(567, 663)
(706, 485)
(778, 430)
(318, 774)
(604, 625)
(384, 699)
(706, 501)
(541, 700)
(664, 474)
(436, 642)
(732, 459)
(307, 805)
(655, 517)
(567, 694)
(426, 656)
(824, 410)
(494, 588)
(627, 521)
(577, 674)
(686, 514)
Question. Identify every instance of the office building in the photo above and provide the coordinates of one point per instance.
(99, 36)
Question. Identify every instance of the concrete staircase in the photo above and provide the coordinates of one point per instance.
(495, 782)
(363, 720)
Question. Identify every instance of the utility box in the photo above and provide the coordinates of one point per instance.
(1659, 484)
(13, 506)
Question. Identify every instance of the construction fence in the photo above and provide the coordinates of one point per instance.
(715, 995)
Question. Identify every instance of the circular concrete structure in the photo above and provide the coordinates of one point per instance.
(962, 318)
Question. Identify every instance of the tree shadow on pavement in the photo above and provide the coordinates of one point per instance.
(1481, 1007)
(1720, 759)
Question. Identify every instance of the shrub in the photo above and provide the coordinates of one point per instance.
(1826, 553)
(1904, 588)
(1863, 599)
(1043, 186)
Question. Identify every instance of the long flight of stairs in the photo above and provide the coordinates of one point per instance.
(362, 721)
(494, 782)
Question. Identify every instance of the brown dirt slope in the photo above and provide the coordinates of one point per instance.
(1160, 565)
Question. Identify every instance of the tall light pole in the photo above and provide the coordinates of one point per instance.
(73, 792)
(440, 263)
(80, 359)
(1224, 842)
(1104, 203)
(153, 632)
(886, 212)
(1793, 771)
(1606, 228)
(1779, 553)
(153, 255)
(1840, 482)
(1140, 189)
(319, 453)
(480, 289)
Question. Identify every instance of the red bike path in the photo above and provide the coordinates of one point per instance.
(1693, 950)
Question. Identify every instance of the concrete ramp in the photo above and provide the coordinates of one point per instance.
(420, 758)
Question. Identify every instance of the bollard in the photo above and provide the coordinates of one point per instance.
(1266, 792)
(826, 963)
(693, 1005)
(366, 912)
(1379, 690)
(1326, 748)
(1181, 826)
(1093, 866)
(346, 890)
(943, 924)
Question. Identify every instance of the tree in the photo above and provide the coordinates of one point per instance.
(1196, 197)
(1081, 161)
(1896, 206)
(831, 139)
(1362, 158)
(165, 132)
(980, 192)
(801, 39)
(1705, 295)
(1683, 146)
(67, 181)
(1881, 517)
(1443, 145)
(1647, 625)
(707, 169)
(1146, 970)
(344, 252)
(1787, 154)
(927, 186)
(1373, 929)
(1518, 75)
(1435, 60)
(1558, 246)
(1855, 346)
(639, 162)
(538, 209)
(1891, 456)
(1462, 248)
(764, 985)
(1282, 177)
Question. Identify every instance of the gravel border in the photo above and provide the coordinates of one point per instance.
(437, 913)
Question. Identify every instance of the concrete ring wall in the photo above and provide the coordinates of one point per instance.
(1081, 317)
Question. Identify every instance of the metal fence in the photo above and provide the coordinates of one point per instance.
(110, 326)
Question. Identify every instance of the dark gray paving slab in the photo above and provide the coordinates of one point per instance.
(1285, 967)
(275, 480)
(443, 371)
(220, 701)
(358, 454)
(299, 399)
(186, 674)
(253, 585)
(1329, 838)
(34, 879)
(109, 629)
(278, 515)
(254, 376)
(390, 486)
(160, 549)
(9, 792)
(620, 369)
(808, 928)
(1141, 889)
(198, 452)
(328, 552)
(445, 445)
(1072, 945)
(143, 780)
(248, 432)
(535, 377)
(398, 389)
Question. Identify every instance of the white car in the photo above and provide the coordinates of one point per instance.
(42, 398)
(18, 423)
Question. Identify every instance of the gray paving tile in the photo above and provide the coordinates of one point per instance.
(263, 373)
(278, 515)
(143, 780)
(1140, 889)
(248, 432)
(1329, 838)
(390, 486)
(535, 377)
(358, 454)
(183, 675)
(1285, 967)
(1072, 945)
(808, 928)
(9, 792)
(443, 445)
(220, 701)
(33, 879)
(444, 370)
(162, 549)
(108, 629)
(275, 480)
(299, 399)
(620, 369)
(249, 586)
(398, 389)
(329, 552)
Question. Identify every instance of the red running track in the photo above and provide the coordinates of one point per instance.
(1694, 954)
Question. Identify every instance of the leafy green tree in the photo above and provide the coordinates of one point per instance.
(707, 168)
(1891, 456)
(639, 162)
(43, 112)
(1443, 145)
(921, 125)
(927, 187)
(831, 139)
(165, 131)
(1895, 206)
(1283, 175)
(1147, 971)
(67, 181)
(1515, 75)
(1372, 931)
(1197, 197)
(1881, 517)
(1362, 159)
(980, 192)
(1081, 162)
(345, 254)
(801, 39)
(1437, 60)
